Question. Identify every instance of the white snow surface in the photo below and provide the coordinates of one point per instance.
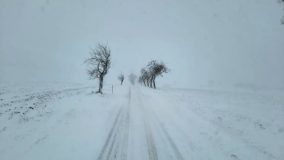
(59, 122)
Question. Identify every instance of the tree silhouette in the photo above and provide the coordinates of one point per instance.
(121, 78)
(99, 64)
(151, 72)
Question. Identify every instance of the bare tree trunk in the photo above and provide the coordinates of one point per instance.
(154, 83)
(151, 82)
(101, 81)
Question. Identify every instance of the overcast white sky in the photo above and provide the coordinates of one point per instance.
(202, 41)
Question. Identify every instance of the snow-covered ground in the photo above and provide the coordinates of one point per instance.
(57, 122)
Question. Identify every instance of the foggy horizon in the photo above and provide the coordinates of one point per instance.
(202, 42)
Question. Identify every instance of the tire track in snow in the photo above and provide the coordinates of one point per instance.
(174, 147)
(152, 150)
(116, 144)
(151, 146)
(111, 135)
(150, 115)
(169, 139)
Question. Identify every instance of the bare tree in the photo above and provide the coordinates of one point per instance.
(144, 77)
(99, 64)
(121, 78)
(158, 70)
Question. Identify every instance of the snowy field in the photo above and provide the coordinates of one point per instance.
(60, 122)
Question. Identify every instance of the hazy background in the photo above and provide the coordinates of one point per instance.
(203, 42)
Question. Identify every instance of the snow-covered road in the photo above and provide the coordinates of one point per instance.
(137, 123)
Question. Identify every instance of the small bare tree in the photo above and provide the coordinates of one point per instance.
(99, 64)
(121, 78)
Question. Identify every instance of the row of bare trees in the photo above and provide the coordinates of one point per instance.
(151, 72)
(99, 64)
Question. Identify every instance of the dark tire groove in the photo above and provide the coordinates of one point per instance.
(116, 144)
(111, 135)
(153, 117)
